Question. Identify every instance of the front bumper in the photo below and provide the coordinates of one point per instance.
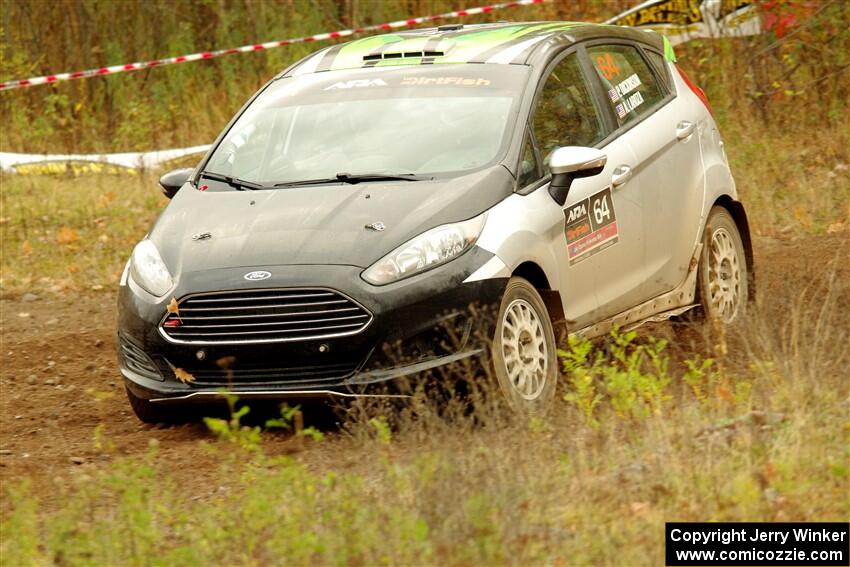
(419, 324)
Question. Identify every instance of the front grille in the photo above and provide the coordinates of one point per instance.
(264, 316)
(259, 375)
(135, 359)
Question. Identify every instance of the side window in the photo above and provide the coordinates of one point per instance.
(660, 65)
(630, 86)
(565, 114)
(529, 169)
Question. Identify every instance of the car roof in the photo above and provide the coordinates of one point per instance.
(500, 43)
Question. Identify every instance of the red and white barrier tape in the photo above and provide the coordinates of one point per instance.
(47, 79)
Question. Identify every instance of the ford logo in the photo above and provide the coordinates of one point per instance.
(257, 276)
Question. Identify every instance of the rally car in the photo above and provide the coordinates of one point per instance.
(568, 175)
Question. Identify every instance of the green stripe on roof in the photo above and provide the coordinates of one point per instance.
(352, 54)
(669, 54)
(463, 46)
(527, 33)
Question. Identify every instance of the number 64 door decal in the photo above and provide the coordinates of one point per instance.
(591, 226)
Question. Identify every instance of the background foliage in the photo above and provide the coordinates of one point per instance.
(180, 105)
(801, 74)
(752, 430)
(782, 105)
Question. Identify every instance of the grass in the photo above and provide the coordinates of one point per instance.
(746, 425)
(72, 234)
(791, 188)
(758, 435)
(681, 433)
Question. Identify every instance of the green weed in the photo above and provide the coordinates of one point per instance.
(628, 378)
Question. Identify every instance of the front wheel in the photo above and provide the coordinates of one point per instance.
(722, 277)
(524, 356)
(148, 412)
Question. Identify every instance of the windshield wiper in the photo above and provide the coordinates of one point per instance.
(354, 178)
(358, 177)
(235, 182)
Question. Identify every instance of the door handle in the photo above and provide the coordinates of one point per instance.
(621, 174)
(684, 129)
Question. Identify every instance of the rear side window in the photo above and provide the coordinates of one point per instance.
(660, 65)
(630, 86)
(565, 114)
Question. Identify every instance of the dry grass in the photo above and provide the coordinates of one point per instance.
(794, 181)
(760, 436)
(71, 234)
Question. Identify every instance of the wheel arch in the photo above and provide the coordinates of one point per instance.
(739, 215)
(534, 274)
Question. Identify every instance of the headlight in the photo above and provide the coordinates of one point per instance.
(148, 270)
(429, 249)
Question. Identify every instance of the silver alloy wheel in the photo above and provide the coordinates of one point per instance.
(724, 275)
(524, 349)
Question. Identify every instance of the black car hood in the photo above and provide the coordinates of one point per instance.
(323, 224)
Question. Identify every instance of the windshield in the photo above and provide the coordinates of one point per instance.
(441, 120)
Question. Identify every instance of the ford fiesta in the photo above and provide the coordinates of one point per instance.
(568, 175)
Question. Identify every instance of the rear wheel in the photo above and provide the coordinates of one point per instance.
(524, 356)
(722, 277)
(149, 412)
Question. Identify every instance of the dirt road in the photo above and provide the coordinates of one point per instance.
(61, 388)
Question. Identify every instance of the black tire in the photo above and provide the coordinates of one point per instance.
(722, 275)
(525, 359)
(149, 412)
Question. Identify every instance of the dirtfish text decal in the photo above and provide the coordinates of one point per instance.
(420, 81)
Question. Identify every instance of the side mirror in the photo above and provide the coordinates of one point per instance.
(573, 162)
(172, 181)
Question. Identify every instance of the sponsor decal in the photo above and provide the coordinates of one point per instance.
(577, 212)
(622, 89)
(357, 83)
(460, 81)
(591, 226)
(257, 275)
